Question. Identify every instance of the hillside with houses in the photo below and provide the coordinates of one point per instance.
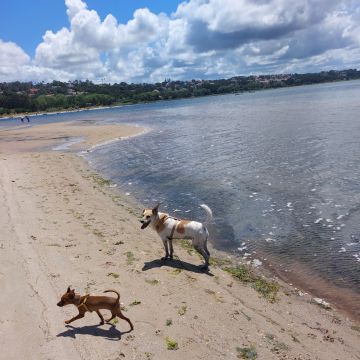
(24, 97)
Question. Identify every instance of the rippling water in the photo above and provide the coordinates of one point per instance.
(279, 168)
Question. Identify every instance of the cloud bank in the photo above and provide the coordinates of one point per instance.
(202, 39)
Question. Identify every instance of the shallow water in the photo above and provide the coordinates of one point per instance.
(279, 168)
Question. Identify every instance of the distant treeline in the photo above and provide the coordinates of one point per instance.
(20, 97)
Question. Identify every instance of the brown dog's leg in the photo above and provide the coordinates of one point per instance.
(120, 315)
(101, 317)
(79, 316)
(112, 316)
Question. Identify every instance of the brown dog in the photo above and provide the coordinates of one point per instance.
(93, 303)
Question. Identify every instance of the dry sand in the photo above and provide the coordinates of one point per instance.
(61, 225)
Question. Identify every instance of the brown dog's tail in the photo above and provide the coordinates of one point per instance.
(114, 291)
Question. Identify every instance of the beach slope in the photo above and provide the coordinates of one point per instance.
(62, 224)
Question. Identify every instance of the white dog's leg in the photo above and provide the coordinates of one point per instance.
(206, 248)
(206, 257)
(201, 248)
(166, 245)
(171, 248)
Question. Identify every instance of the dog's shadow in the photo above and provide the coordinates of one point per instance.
(112, 333)
(176, 264)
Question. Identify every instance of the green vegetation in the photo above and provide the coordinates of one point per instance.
(168, 322)
(129, 257)
(175, 272)
(152, 282)
(100, 180)
(114, 275)
(171, 344)
(218, 262)
(268, 289)
(135, 302)
(119, 243)
(114, 321)
(247, 352)
(19, 97)
(277, 345)
(186, 245)
(182, 310)
(355, 327)
(98, 233)
(240, 272)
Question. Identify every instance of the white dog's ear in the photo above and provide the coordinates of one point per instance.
(155, 209)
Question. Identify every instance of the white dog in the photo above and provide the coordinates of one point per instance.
(170, 228)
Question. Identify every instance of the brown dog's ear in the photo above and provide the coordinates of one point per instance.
(71, 294)
(68, 289)
(155, 209)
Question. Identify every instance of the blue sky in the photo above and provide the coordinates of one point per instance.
(148, 40)
(25, 21)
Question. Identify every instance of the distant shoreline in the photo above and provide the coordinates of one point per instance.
(148, 101)
(63, 111)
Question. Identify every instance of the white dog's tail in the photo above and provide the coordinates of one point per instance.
(209, 214)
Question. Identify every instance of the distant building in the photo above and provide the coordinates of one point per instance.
(33, 91)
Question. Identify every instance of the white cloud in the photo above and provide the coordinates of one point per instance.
(12, 57)
(60, 51)
(227, 16)
(11, 53)
(202, 39)
(15, 64)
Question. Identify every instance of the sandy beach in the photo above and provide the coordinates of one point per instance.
(63, 224)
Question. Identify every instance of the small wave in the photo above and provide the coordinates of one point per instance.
(66, 145)
(256, 262)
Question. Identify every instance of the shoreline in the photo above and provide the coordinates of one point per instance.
(65, 225)
(48, 136)
(63, 111)
(316, 288)
(93, 108)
